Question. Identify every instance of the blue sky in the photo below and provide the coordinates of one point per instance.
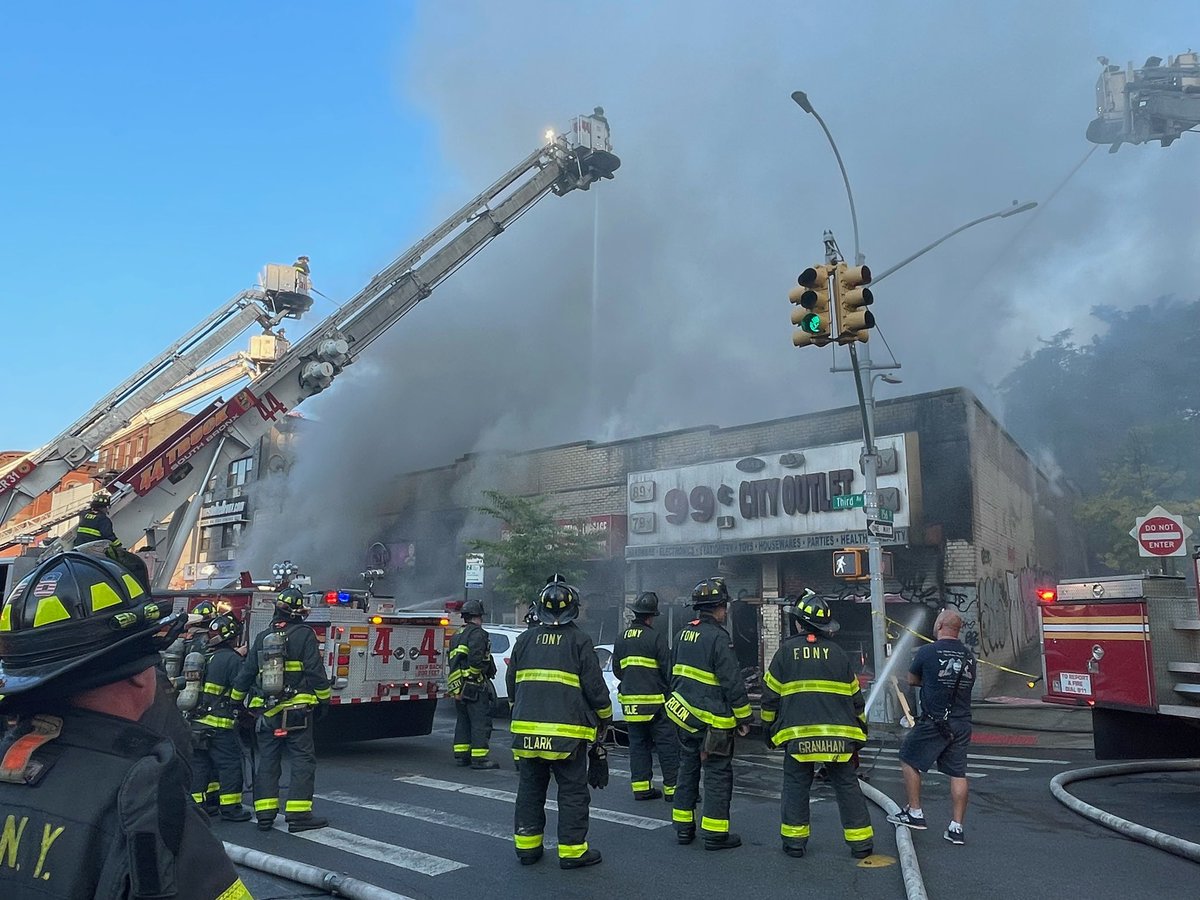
(155, 155)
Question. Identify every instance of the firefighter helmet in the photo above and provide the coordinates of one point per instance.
(558, 604)
(79, 621)
(646, 604)
(290, 602)
(471, 609)
(710, 592)
(813, 612)
(100, 499)
(205, 609)
(223, 628)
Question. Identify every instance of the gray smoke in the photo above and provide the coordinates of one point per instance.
(942, 114)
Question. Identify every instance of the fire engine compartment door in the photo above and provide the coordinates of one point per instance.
(404, 653)
(1098, 652)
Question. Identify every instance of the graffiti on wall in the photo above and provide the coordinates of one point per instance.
(999, 611)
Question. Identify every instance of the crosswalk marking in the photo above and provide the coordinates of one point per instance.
(607, 815)
(424, 814)
(401, 857)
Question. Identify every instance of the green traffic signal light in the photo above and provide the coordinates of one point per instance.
(811, 323)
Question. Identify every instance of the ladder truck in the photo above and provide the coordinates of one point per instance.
(159, 495)
(30, 476)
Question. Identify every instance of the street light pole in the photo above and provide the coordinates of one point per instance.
(1001, 214)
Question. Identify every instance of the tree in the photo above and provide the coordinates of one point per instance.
(532, 546)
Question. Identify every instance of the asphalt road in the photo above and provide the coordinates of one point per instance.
(405, 818)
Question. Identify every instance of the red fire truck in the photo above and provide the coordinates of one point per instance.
(388, 666)
(1128, 646)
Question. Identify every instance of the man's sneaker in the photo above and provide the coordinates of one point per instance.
(908, 820)
(954, 835)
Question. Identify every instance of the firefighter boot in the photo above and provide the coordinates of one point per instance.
(589, 858)
(685, 834)
(265, 824)
(652, 794)
(484, 763)
(236, 813)
(726, 841)
(306, 822)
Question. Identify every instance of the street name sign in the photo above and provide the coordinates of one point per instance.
(846, 501)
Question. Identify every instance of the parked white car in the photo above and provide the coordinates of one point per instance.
(605, 653)
(503, 638)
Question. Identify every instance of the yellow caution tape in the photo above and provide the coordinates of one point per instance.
(1031, 677)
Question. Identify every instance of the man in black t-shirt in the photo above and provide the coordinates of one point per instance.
(945, 673)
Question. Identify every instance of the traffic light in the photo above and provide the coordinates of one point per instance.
(854, 319)
(813, 316)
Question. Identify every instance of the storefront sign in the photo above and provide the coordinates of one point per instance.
(608, 533)
(766, 503)
(223, 512)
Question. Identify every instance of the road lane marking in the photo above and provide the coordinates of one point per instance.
(877, 754)
(749, 792)
(607, 815)
(368, 848)
(424, 814)
(1016, 759)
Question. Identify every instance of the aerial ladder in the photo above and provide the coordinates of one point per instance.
(155, 497)
(1153, 103)
(204, 382)
(281, 295)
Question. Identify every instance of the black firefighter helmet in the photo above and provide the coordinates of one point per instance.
(77, 622)
(471, 609)
(813, 613)
(709, 593)
(646, 604)
(290, 602)
(558, 604)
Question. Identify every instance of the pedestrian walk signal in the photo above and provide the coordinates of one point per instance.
(849, 563)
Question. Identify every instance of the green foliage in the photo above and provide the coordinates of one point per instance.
(532, 546)
(1120, 416)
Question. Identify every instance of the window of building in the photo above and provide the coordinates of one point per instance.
(230, 535)
(205, 540)
(239, 471)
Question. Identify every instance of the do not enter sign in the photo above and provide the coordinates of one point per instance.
(1161, 534)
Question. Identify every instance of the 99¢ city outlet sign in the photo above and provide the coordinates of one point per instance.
(773, 502)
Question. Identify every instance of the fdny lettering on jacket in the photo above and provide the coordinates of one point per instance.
(549, 638)
(688, 636)
(27, 852)
(807, 652)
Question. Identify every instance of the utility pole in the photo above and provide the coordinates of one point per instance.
(870, 467)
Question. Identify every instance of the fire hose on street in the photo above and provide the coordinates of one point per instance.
(914, 885)
(1169, 842)
(337, 884)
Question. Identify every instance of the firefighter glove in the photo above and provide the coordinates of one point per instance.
(598, 766)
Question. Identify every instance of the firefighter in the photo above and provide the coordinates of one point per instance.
(642, 661)
(95, 525)
(283, 670)
(301, 266)
(470, 684)
(102, 800)
(560, 707)
(812, 707)
(708, 703)
(216, 749)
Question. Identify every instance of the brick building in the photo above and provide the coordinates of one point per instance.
(977, 524)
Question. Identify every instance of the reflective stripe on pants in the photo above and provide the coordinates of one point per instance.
(473, 727)
(657, 735)
(852, 805)
(302, 762)
(219, 759)
(574, 798)
(718, 779)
